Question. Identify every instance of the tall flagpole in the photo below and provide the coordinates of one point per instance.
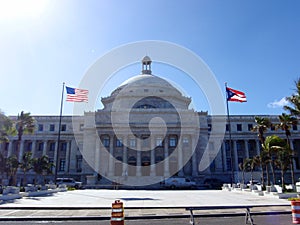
(58, 136)
(230, 141)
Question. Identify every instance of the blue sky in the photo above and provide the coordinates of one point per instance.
(252, 45)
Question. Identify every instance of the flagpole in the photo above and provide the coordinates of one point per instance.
(230, 140)
(59, 129)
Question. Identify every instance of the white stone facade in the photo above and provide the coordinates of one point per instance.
(145, 132)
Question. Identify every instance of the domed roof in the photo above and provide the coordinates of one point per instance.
(147, 82)
(145, 85)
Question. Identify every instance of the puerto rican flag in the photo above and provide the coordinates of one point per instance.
(235, 95)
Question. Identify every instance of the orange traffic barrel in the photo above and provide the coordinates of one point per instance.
(296, 211)
(117, 213)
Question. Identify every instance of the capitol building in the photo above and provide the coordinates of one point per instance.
(145, 132)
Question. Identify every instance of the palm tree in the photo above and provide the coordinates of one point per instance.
(42, 166)
(244, 167)
(3, 166)
(26, 165)
(253, 162)
(12, 165)
(283, 162)
(6, 127)
(271, 145)
(263, 161)
(262, 125)
(286, 121)
(294, 101)
(24, 125)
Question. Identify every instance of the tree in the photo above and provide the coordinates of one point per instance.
(294, 101)
(262, 125)
(26, 165)
(286, 121)
(42, 166)
(263, 161)
(244, 167)
(283, 162)
(253, 162)
(271, 145)
(3, 166)
(12, 165)
(24, 125)
(6, 127)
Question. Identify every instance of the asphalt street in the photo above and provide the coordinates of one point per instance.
(237, 220)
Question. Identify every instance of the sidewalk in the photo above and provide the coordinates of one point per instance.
(96, 204)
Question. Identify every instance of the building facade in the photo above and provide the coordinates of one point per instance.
(145, 132)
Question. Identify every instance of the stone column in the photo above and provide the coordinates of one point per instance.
(55, 157)
(194, 158)
(67, 168)
(138, 158)
(111, 161)
(180, 158)
(246, 149)
(45, 148)
(21, 150)
(258, 147)
(33, 148)
(97, 155)
(235, 157)
(152, 157)
(10, 148)
(224, 158)
(125, 157)
(166, 157)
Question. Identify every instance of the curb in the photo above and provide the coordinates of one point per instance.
(93, 218)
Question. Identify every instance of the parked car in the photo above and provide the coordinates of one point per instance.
(213, 183)
(179, 183)
(253, 182)
(69, 182)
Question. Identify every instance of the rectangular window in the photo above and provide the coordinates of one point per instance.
(250, 127)
(52, 127)
(119, 143)
(63, 127)
(52, 146)
(78, 163)
(228, 164)
(227, 127)
(40, 146)
(295, 127)
(81, 127)
(62, 164)
(6, 146)
(132, 142)
(159, 142)
(29, 146)
(106, 142)
(239, 127)
(172, 142)
(40, 127)
(185, 141)
(63, 146)
(209, 127)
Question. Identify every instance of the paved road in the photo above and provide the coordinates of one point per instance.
(238, 220)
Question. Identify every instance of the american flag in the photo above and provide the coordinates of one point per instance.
(77, 95)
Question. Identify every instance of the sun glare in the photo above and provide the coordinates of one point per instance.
(20, 9)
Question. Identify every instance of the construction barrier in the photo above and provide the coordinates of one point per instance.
(117, 213)
(296, 211)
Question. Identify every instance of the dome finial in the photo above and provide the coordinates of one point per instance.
(146, 65)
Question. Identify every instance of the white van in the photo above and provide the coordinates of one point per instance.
(178, 182)
(69, 182)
